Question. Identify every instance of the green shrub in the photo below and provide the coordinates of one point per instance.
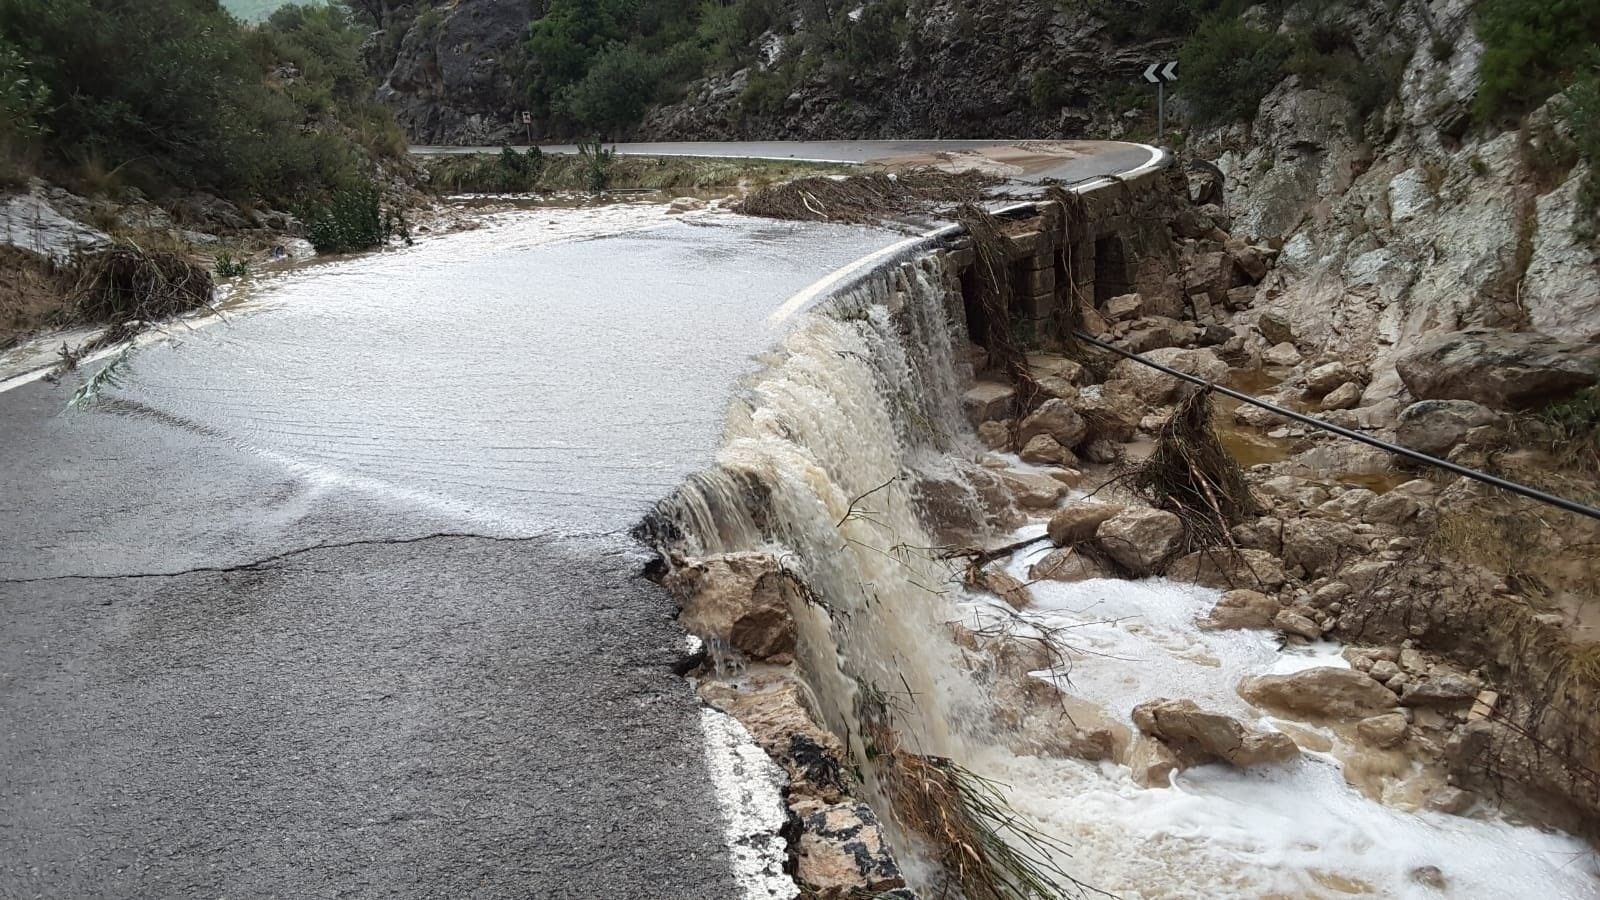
(22, 96)
(597, 164)
(349, 220)
(614, 93)
(229, 266)
(1228, 67)
(765, 93)
(1584, 118)
(1531, 48)
(1047, 90)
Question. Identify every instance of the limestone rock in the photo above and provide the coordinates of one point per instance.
(1326, 377)
(1284, 354)
(1057, 419)
(1006, 587)
(1079, 521)
(1345, 396)
(1065, 564)
(1386, 731)
(1124, 308)
(1241, 609)
(1140, 539)
(742, 599)
(1393, 508)
(1224, 569)
(1046, 365)
(1441, 689)
(1031, 489)
(1293, 622)
(842, 851)
(1274, 326)
(989, 401)
(1157, 388)
(1152, 763)
(1325, 692)
(1502, 369)
(1436, 426)
(1198, 737)
(995, 435)
(1044, 450)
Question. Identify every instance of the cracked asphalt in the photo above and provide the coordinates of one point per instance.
(281, 619)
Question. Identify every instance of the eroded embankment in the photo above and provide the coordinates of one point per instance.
(1159, 736)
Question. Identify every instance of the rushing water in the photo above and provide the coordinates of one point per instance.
(831, 459)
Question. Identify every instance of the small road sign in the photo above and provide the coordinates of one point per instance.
(1159, 74)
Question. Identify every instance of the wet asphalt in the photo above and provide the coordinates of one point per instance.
(287, 617)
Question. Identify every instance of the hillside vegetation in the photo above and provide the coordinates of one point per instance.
(175, 95)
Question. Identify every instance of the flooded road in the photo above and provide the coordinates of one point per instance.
(334, 597)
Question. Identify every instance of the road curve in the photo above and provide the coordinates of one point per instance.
(1024, 161)
(335, 599)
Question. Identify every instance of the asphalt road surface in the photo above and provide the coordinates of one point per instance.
(335, 599)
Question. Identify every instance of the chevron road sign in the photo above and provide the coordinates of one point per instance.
(1159, 74)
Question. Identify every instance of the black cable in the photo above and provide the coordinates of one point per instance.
(1571, 506)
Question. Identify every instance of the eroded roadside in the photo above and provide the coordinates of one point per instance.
(893, 563)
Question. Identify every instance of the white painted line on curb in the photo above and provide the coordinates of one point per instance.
(747, 785)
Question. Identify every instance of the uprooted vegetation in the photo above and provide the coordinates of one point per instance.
(1192, 474)
(125, 286)
(513, 171)
(873, 197)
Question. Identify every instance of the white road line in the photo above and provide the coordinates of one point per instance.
(747, 786)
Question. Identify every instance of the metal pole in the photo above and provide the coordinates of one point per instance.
(1161, 110)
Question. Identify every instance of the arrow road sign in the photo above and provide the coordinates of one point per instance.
(1158, 72)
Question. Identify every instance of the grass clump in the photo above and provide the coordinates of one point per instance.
(126, 283)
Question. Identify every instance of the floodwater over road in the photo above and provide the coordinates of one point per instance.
(331, 598)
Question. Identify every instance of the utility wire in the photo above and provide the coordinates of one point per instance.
(1571, 506)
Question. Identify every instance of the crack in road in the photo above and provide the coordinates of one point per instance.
(280, 557)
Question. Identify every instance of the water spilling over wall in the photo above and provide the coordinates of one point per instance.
(850, 459)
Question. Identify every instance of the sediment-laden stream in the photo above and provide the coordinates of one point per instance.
(849, 459)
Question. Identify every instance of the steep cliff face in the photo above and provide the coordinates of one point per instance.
(455, 77)
(1417, 221)
(951, 69)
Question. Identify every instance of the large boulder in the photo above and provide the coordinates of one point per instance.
(739, 599)
(1057, 419)
(1241, 609)
(842, 851)
(1435, 426)
(989, 401)
(1197, 737)
(1065, 564)
(1325, 692)
(1032, 490)
(1502, 369)
(1079, 521)
(1155, 388)
(1226, 569)
(1141, 539)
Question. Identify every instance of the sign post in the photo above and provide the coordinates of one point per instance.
(527, 119)
(1159, 74)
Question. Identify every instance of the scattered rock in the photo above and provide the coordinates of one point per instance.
(1242, 609)
(1124, 308)
(1345, 396)
(1223, 568)
(1006, 587)
(1078, 521)
(1057, 419)
(1436, 426)
(742, 599)
(1197, 737)
(842, 851)
(1502, 369)
(1045, 365)
(1065, 564)
(1323, 692)
(1274, 326)
(1451, 800)
(1290, 621)
(1284, 354)
(995, 435)
(989, 401)
(1152, 763)
(1031, 489)
(1141, 539)
(1155, 388)
(1384, 670)
(1385, 731)
(1430, 876)
(1044, 450)
(1324, 378)
(1441, 689)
